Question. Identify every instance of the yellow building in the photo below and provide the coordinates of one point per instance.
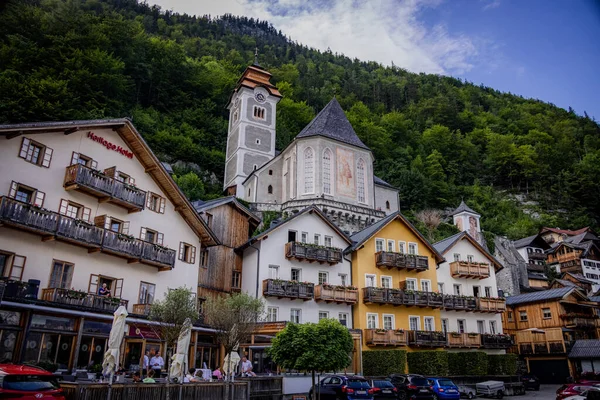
(394, 268)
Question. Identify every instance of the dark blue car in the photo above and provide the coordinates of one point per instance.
(342, 387)
(444, 388)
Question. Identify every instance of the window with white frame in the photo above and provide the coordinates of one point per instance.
(323, 277)
(481, 327)
(441, 287)
(309, 170)
(323, 315)
(296, 274)
(509, 316)
(388, 321)
(273, 271)
(327, 171)
(386, 282)
(304, 237)
(35, 153)
(343, 279)
(411, 284)
(493, 328)
(445, 325)
(412, 248)
(429, 323)
(457, 289)
(425, 285)
(546, 313)
(296, 315)
(391, 246)
(360, 181)
(379, 243)
(488, 291)
(317, 239)
(401, 247)
(523, 316)
(370, 280)
(414, 323)
(469, 258)
(462, 325)
(343, 318)
(272, 314)
(456, 256)
(328, 241)
(372, 321)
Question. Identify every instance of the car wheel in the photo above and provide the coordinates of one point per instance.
(470, 395)
(402, 396)
(500, 394)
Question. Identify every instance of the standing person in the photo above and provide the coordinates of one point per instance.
(146, 363)
(156, 364)
(247, 367)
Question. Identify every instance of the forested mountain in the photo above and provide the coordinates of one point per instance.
(437, 138)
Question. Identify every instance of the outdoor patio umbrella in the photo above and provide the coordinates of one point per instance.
(230, 363)
(111, 357)
(179, 359)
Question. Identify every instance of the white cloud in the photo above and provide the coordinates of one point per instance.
(378, 30)
(491, 4)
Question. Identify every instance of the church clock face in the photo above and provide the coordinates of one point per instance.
(260, 97)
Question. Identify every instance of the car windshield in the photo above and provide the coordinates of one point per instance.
(383, 384)
(29, 383)
(358, 383)
(445, 382)
(419, 381)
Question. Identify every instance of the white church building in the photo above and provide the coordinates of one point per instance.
(326, 165)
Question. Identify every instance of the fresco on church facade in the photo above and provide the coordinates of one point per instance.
(473, 226)
(459, 224)
(345, 173)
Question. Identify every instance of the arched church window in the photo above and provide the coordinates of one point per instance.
(327, 171)
(387, 205)
(259, 112)
(360, 180)
(270, 189)
(309, 170)
(236, 115)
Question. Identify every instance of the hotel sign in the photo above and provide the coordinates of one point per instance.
(109, 145)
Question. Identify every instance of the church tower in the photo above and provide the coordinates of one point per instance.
(251, 132)
(467, 220)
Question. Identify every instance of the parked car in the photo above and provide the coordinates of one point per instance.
(28, 383)
(412, 386)
(570, 389)
(342, 387)
(491, 389)
(383, 389)
(444, 388)
(585, 395)
(530, 381)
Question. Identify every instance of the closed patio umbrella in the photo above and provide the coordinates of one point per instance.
(230, 363)
(179, 360)
(111, 357)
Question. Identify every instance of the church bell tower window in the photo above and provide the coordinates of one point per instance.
(259, 112)
(309, 170)
(327, 171)
(360, 180)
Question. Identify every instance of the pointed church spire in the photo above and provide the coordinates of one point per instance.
(256, 57)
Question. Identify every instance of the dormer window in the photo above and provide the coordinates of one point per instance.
(259, 112)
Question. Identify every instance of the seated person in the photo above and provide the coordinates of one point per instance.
(191, 376)
(104, 290)
(150, 377)
(217, 374)
(246, 366)
(136, 377)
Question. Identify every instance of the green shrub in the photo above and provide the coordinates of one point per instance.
(383, 362)
(428, 362)
(502, 364)
(471, 363)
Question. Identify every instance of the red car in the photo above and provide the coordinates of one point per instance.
(571, 389)
(28, 383)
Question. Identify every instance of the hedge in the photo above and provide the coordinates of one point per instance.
(428, 363)
(502, 364)
(471, 363)
(383, 362)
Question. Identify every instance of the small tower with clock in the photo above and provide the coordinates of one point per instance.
(251, 131)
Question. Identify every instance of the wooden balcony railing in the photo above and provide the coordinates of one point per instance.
(399, 297)
(158, 255)
(105, 188)
(536, 256)
(547, 341)
(141, 309)
(468, 340)
(490, 341)
(288, 289)
(79, 232)
(383, 337)
(76, 298)
(427, 338)
(459, 303)
(401, 261)
(336, 294)
(465, 269)
(491, 304)
(580, 321)
(28, 217)
(311, 253)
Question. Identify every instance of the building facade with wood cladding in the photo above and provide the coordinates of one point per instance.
(86, 207)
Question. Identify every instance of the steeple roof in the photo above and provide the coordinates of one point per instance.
(254, 76)
(332, 123)
(463, 208)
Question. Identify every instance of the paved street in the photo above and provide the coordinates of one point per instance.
(546, 392)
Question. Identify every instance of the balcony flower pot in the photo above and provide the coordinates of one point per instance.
(455, 334)
(380, 331)
(472, 335)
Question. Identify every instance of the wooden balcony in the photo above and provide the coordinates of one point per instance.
(489, 341)
(374, 295)
(465, 269)
(536, 256)
(401, 261)
(311, 253)
(491, 304)
(399, 297)
(547, 341)
(77, 299)
(135, 250)
(423, 299)
(288, 289)
(141, 309)
(464, 340)
(582, 321)
(105, 188)
(382, 337)
(336, 294)
(459, 303)
(427, 339)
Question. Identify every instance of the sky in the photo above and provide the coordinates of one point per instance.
(542, 49)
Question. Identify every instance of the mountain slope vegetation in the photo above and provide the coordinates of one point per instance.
(522, 163)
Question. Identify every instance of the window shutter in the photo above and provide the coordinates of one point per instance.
(100, 221)
(13, 189)
(74, 158)
(39, 198)
(148, 199)
(131, 181)
(143, 234)
(93, 286)
(163, 202)
(117, 290)
(125, 228)
(94, 164)
(112, 171)
(160, 238)
(181, 251)
(24, 148)
(193, 255)
(87, 213)
(47, 157)
(62, 209)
